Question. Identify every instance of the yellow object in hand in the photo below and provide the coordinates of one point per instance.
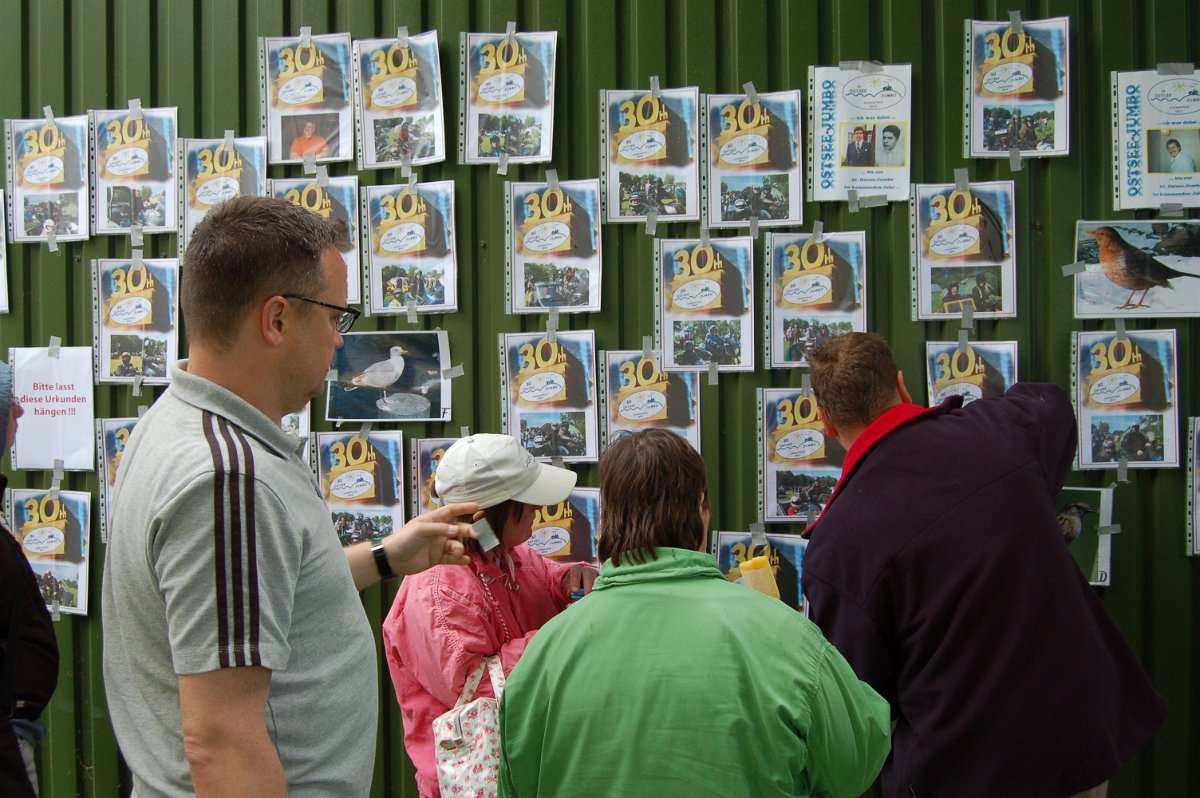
(758, 574)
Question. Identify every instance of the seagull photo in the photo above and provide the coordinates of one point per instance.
(390, 376)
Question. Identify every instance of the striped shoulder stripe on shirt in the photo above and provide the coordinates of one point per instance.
(236, 552)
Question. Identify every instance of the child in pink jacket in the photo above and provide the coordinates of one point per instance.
(445, 620)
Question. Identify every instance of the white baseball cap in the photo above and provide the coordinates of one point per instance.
(488, 469)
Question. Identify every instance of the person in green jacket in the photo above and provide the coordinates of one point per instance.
(669, 680)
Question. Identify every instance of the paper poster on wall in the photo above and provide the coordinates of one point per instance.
(307, 105)
(54, 388)
(554, 247)
(398, 96)
(1156, 140)
(112, 436)
(299, 424)
(390, 376)
(1132, 269)
(46, 173)
(800, 463)
(785, 553)
(567, 531)
(550, 394)
(507, 91)
(362, 481)
(1083, 515)
(409, 238)
(1016, 89)
(639, 394)
(861, 132)
(1125, 394)
(134, 170)
(136, 319)
(3, 257)
(978, 370)
(214, 170)
(650, 154)
(754, 168)
(1193, 502)
(706, 303)
(334, 198)
(817, 291)
(963, 250)
(54, 531)
(426, 454)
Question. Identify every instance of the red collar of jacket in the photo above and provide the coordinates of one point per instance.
(888, 422)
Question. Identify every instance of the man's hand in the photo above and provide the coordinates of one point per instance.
(422, 543)
(430, 540)
(580, 577)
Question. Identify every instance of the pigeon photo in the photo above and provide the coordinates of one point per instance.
(1131, 269)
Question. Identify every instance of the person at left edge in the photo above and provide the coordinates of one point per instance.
(238, 660)
(28, 649)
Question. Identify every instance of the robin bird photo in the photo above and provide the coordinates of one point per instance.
(1129, 267)
(1070, 520)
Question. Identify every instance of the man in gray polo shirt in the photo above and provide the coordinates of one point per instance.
(237, 657)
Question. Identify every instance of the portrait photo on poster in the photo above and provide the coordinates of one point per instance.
(306, 97)
(1156, 139)
(860, 118)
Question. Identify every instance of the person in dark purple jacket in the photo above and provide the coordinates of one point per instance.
(939, 571)
(28, 649)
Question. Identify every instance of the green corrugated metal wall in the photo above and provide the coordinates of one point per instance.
(200, 56)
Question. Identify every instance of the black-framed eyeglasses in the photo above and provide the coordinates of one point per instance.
(345, 318)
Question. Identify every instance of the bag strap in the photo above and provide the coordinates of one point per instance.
(495, 675)
(471, 684)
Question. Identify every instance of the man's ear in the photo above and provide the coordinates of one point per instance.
(272, 320)
(901, 389)
(830, 430)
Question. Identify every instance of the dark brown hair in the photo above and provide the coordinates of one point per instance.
(652, 486)
(854, 378)
(246, 250)
(497, 516)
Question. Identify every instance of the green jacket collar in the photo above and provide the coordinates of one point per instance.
(670, 564)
